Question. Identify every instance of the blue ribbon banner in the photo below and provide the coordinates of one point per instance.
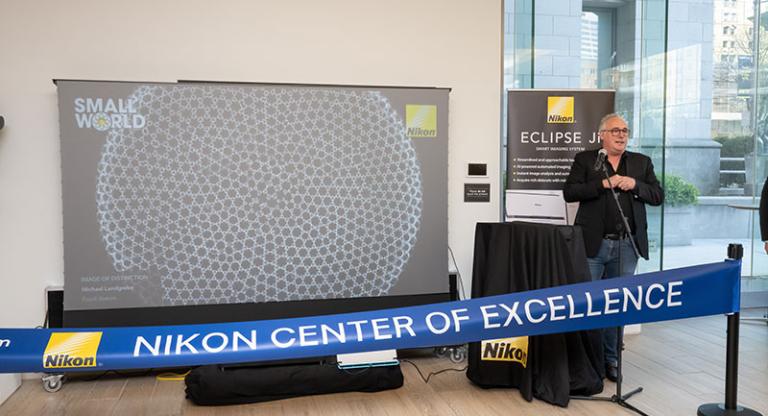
(674, 294)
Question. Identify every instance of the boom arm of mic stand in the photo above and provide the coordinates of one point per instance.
(621, 211)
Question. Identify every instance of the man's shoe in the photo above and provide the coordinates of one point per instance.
(611, 372)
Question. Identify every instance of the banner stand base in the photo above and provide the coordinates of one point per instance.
(718, 409)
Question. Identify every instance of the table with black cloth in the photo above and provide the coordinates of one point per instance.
(520, 256)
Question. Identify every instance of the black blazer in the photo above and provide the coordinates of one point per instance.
(764, 212)
(585, 185)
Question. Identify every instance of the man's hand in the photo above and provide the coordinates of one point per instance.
(766, 247)
(625, 183)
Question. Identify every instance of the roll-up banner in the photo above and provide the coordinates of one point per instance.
(673, 294)
(545, 130)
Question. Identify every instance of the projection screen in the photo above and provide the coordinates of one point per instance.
(213, 193)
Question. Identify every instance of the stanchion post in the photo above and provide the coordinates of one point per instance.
(732, 362)
(731, 407)
(735, 252)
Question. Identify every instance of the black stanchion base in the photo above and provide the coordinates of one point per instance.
(620, 400)
(718, 409)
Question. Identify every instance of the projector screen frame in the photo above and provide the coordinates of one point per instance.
(209, 313)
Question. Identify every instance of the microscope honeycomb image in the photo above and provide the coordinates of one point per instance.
(236, 195)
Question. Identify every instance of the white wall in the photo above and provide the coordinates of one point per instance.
(8, 384)
(445, 43)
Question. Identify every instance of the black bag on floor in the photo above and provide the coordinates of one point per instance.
(217, 385)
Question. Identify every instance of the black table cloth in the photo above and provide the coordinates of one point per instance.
(520, 256)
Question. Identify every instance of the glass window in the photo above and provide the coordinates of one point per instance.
(693, 86)
(591, 53)
(713, 145)
(597, 47)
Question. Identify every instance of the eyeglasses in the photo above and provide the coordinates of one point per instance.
(616, 132)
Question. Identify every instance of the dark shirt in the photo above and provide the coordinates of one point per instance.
(613, 223)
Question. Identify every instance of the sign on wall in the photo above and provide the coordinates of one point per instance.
(200, 193)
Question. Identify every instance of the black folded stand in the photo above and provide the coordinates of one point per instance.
(213, 385)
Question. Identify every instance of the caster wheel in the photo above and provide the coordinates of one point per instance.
(53, 383)
(441, 352)
(458, 354)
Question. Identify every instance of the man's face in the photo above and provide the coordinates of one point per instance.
(614, 144)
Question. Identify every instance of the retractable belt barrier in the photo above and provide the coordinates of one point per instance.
(673, 294)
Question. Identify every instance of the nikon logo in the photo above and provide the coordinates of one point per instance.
(64, 361)
(560, 110)
(556, 118)
(421, 120)
(71, 350)
(505, 349)
(419, 132)
(5, 343)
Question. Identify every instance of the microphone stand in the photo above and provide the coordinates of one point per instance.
(618, 398)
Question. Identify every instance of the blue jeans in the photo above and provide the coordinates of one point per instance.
(605, 265)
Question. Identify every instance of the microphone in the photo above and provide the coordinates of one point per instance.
(601, 155)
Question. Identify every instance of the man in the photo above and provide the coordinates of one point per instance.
(764, 216)
(609, 250)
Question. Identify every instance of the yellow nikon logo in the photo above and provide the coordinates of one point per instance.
(560, 110)
(421, 120)
(71, 350)
(505, 349)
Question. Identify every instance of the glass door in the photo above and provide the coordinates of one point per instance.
(755, 274)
